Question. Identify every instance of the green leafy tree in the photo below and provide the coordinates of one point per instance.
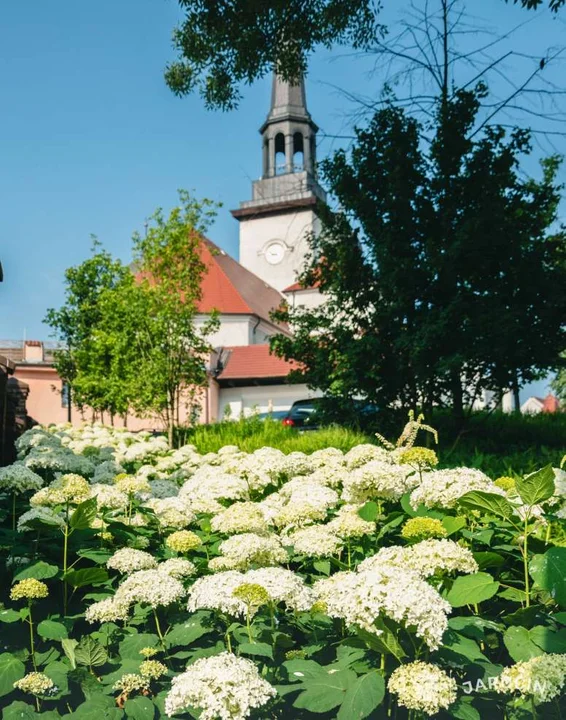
(222, 43)
(441, 275)
(83, 363)
(152, 322)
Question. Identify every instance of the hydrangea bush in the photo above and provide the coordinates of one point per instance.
(141, 582)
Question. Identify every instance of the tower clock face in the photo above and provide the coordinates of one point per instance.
(275, 252)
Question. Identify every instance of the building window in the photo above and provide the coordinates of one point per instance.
(65, 395)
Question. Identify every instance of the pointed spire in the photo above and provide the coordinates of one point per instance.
(288, 102)
(287, 99)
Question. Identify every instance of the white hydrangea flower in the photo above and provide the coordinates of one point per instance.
(223, 687)
(172, 512)
(106, 471)
(108, 496)
(240, 517)
(152, 587)
(402, 595)
(215, 592)
(210, 483)
(542, 677)
(32, 519)
(443, 488)
(241, 551)
(283, 586)
(108, 610)
(427, 558)
(315, 541)
(18, 479)
(348, 524)
(129, 560)
(378, 479)
(163, 488)
(423, 687)
(177, 567)
(361, 454)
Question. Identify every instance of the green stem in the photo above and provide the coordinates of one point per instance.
(228, 643)
(526, 563)
(14, 512)
(158, 627)
(65, 562)
(349, 555)
(248, 625)
(31, 641)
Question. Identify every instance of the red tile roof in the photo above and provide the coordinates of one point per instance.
(255, 361)
(230, 288)
(297, 287)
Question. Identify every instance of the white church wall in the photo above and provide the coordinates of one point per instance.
(233, 330)
(237, 330)
(246, 400)
(291, 228)
(310, 299)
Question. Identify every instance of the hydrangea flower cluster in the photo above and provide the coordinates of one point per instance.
(423, 687)
(223, 686)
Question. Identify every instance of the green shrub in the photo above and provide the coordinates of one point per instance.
(251, 434)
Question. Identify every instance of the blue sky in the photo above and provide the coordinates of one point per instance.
(91, 139)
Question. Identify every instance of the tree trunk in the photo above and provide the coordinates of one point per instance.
(516, 397)
(457, 395)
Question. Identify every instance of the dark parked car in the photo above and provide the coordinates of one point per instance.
(303, 413)
(273, 415)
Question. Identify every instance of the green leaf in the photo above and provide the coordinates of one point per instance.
(83, 516)
(97, 708)
(453, 524)
(369, 511)
(458, 644)
(39, 570)
(9, 616)
(519, 644)
(551, 641)
(19, 710)
(489, 559)
(463, 710)
(132, 644)
(322, 566)
(51, 630)
(187, 632)
(325, 691)
(549, 572)
(69, 646)
(100, 557)
(362, 697)
(472, 589)
(386, 643)
(88, 576)
(487, 503)
(537, 486)
(91, 653)
(299, 669)
(262, 649)
(11, 669)
(58, 672)
(139, 708)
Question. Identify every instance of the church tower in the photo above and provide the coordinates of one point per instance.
(275, 223)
